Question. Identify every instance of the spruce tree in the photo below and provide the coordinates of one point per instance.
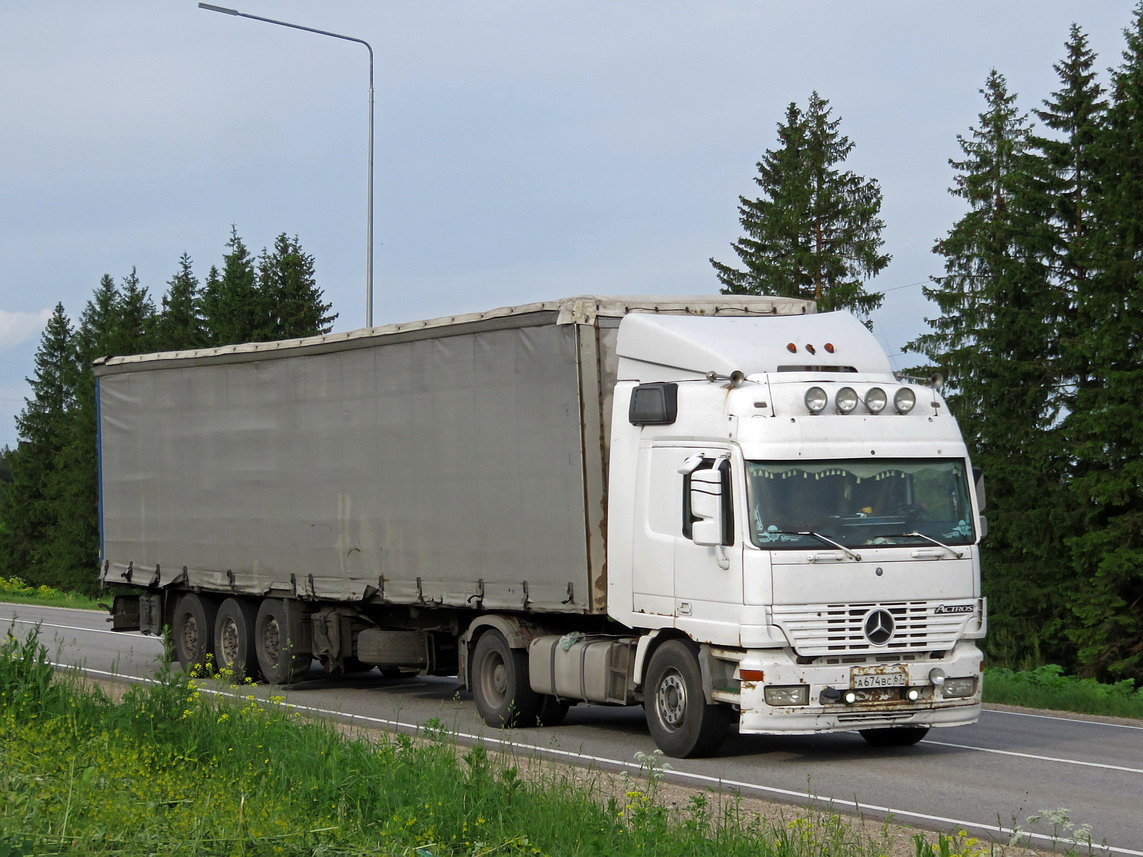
(815, 232)
(982, 263)
(134, 331)
(180, 325)
(232, 307)
(96, 320)
(1054, 201)
(287, 284)
(1063, 185)
(997, 300)
(32, 515)
(116, 321)
(1104, 426)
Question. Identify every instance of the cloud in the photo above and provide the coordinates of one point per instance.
(19, 327)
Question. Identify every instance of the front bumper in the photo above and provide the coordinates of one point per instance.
(872, 709)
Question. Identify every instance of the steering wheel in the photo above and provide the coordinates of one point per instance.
(911, 512)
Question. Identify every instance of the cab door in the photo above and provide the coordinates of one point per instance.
(708, 560)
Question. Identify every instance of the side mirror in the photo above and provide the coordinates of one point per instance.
(978, 478)
(706, 505)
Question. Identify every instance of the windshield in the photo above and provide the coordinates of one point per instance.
(858, 503)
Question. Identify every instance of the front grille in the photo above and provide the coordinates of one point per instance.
(815, 630)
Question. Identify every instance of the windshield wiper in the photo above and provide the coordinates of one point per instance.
(817, 536)
(953, 551)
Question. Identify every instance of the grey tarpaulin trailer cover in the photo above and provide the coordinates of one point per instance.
(458, 462)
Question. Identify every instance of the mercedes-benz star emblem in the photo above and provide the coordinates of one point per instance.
(879, 627)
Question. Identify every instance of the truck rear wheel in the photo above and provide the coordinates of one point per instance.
(500, 685)
(902, 736)
(282, 656)
(234, 639)
(192, 627)
(678, 716)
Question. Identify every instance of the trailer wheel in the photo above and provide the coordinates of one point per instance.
(281, 656)
(678, 716)
(500, 685)
(234, 639)
(193, 629)
(902, 736)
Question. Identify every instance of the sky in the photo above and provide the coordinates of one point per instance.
(525, 150)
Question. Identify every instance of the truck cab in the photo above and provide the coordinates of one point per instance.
(802, 523)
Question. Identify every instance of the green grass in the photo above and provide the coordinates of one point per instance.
(13, 589)
(1047, 687)
(171, 770)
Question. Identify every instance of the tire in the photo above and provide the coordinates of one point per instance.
(282, 655)
(193, 629)
(234, 639)
(680, 720)
(500, 685)
(902, 736)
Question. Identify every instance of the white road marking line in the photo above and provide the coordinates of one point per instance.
(1065, 719)
(1038, 758)
(677, 775)
(19, 621)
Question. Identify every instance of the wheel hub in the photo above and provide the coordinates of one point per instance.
(671, 700)
(190, 634)
(229, 643)
(272, 641)
(500, 679)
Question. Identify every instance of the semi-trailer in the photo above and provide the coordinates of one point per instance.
(724, 508)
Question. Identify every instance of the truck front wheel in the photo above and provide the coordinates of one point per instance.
(678, 716)
(192, 627)
(282, 656)
(500, 685)
(234, 639)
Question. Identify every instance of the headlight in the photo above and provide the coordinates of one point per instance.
(816, 400)
(904, 400)
(875, 400)
(959, 687)
(796, 694)
(846, 400)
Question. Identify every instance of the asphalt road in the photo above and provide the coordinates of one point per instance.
(986, 779)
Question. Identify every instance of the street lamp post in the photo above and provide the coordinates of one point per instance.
(369, 216)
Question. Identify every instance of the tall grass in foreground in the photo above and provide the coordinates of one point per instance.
(170, 770)
(1048, 687)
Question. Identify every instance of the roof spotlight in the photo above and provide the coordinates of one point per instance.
(816, 400)
(875, 400)
(904, 400)
(846, 400)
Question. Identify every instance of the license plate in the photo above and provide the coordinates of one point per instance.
(871, 677)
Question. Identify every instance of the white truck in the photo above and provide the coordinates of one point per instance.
(724, 508)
